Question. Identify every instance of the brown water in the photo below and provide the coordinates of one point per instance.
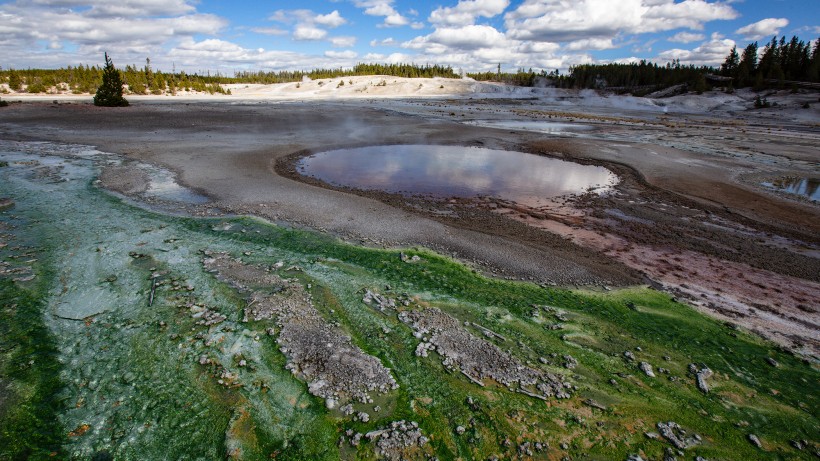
(456, 171)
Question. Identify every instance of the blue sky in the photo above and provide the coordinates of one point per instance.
(472, 35)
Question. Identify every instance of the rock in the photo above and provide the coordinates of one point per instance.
(652, 435)
(772, 362)
(676, 435)
(634, 458)
(629, 356)
(570, 362)
(755, 441)
(460, 430)
(701, 377)
(594, 404)
(646, 368)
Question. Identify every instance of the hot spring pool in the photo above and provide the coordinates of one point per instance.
(456, 171)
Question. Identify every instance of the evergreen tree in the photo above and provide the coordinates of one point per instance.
(15, 82)
(109, 94)
(729, 67)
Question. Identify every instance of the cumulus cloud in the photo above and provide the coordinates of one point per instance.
(343, 42)
(711, 53)
(31, 31)
(568, 20)
(347, 54)
(763, 28)
(466, 12)
(307, 32)
(389, 41)
(122, 8)
(333, 19)
(464, 38)
(686, 37)
(307, 23)
(591, 44)
(384, 8)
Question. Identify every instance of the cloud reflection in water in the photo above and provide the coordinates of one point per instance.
(455, 171)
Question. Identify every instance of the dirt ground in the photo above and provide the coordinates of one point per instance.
(689, 215)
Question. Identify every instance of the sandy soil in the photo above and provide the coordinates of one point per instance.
(690, 214)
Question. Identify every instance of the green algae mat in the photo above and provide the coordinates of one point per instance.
(134, 334)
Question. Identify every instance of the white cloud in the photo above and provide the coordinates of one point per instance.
(464, 38)
(466, 12)
(384, 8)
(307, 32)
(32, 32)
(565, 20)
(122, 8)
(333, 19)
(389, 41)
(482, 47)
(307, 22)
(269, 31)
(711, 53)
(343, 42)
(685, 37)
(347, 54)
(591, 44)
(763, 28)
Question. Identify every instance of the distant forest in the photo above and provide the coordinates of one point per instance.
(783, 63)
(145, 80)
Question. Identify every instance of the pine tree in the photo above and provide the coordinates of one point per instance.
(109, 94)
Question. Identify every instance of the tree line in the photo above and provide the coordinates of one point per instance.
(145, 80)
(793, 60)
(781, 61)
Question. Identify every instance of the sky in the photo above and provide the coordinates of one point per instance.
(469, 35)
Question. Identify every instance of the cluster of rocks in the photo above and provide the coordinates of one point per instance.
(395, 441)
(701, 375)
(206, 316)
(677, 436)
(321, 354)
(478, 358)
(531, 448)
(409, 259)
(382, 303)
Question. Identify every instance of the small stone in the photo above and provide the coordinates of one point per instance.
(755, 441)
(460, 430)
(646, 368)
(772, 362)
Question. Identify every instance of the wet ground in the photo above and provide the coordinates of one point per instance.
(691, 195)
